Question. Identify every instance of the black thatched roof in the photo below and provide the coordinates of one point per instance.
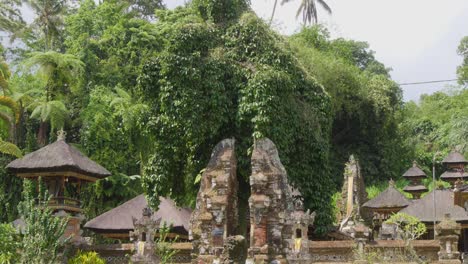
(120, 219)
(390, 198)
(455, 157)
(414, 171)
(424, 207)
(415, 188)
(58, 156)
(454, 175)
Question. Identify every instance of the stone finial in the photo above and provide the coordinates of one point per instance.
(391, 183)
(458, 184)
(61, 134)
(415, 163)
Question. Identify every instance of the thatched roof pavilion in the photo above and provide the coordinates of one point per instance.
(414, 172)
(454, 157)
(64, 170)
(423, 208)
(118, 222)
(387, 202)
(415, 176)
(58, 158)
(388, 199)
(455, 163)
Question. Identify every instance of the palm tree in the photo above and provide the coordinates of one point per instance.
(49, 18)
(9, 112)
(308, 8)
(10, 16)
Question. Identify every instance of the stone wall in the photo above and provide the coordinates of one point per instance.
(120, 253)
(346, 251)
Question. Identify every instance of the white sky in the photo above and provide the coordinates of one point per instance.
(416, 38)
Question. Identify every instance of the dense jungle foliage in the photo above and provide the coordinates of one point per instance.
(149, 94)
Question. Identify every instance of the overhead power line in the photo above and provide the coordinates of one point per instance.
(437, 81)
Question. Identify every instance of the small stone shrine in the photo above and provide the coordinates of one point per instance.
(143, 237)
(215, 215)
(298, 249)
(415, 175)
(447, 232)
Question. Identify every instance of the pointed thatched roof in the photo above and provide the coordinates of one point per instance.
(390, 198)
(120, 219)
(455, 157)
(424, 207)
(415, 172)
(58, 156)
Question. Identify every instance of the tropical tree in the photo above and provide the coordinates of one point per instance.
(10, 16)
(42, 232)
(462, 70)
(49, 19)
(308, 9)
(9, 244)
(61, 71)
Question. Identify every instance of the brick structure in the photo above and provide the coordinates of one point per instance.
(215, 216)
(274, 222)
(447, 232)
(143, 237)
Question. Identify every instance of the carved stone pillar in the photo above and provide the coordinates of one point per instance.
(215, 216)
(448, 232)
(270, 204)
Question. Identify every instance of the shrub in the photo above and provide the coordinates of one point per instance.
(90, 257)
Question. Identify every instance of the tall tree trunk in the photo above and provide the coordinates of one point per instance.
(274, 10)
(42, 134)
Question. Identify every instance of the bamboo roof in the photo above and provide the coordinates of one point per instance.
(57, 157)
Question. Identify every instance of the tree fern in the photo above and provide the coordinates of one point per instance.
(53, 112)
(5, 74)
(10, 149)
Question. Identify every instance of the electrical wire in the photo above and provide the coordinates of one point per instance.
(437, 81)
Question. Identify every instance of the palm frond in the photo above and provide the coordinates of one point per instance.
(10, 149)
(11, 103)
(325, 6)
(7, 118)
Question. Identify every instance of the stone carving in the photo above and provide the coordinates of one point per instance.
(447, 232)
(273, 218)
(215, 216)
(143, 237)
(353, 196)
(388, 232)
(234, 252)
(270, 196)
(299, 221)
